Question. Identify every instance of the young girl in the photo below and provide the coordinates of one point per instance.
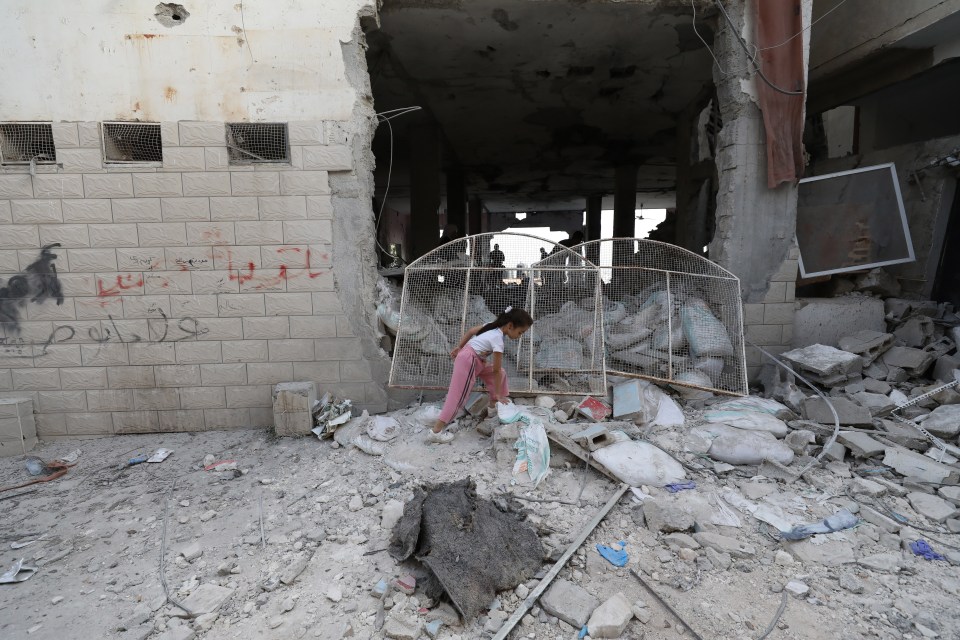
(470, 361)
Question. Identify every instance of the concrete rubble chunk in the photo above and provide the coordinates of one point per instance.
(829, 554)
(914, 361)
(874, 517)
(723, 544)
(681, 540)
(861, 445)
(178, 633)
(851, 583)
(875, 403)
(206, 598)
(392, 512)
(850, 414)
(869, 345)
(401, 628)
(826, 365)
(916, 331)
(191, 551)
(720, 560)
(884, 562)
(913, 464)
(663, 516)
(797, 588)
(826, 320)
(610, 619)
(878, 281)
(944, 421)
(569, 602)
(945, 366)
(867, 487)
(931, 507)
(950, 493)
(876, 386)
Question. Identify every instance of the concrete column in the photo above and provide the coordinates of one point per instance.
(625, 201)
(424, 189)
(594, 206)
(755, 234)
(457, 199)
(476, 212)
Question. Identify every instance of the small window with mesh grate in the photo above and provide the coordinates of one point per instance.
(258, 143)
(27, 143)
(131, 143)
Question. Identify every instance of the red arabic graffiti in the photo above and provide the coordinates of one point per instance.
(124, 283)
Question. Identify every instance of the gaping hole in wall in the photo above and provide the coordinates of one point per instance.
(557, 116)
(171, 15)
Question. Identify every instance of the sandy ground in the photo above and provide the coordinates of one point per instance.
(102, 530)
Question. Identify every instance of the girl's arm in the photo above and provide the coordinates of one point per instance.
(498, 374)
(466, 337)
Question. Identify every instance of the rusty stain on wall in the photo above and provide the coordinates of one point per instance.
(169, 94)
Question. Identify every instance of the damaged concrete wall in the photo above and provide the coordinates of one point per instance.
(755, 225)
(185, 289)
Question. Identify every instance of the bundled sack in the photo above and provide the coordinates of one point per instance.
(706, 335)
(638, 463)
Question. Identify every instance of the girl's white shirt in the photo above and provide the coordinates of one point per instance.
(487, 342)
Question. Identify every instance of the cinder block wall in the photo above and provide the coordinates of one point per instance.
(189, 290)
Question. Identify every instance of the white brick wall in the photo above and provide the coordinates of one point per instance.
(190, 289)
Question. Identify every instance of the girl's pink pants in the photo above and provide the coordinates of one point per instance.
(466, 369)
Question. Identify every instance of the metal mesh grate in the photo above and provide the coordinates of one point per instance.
(26, 143)
(128, 142)
(669, 315)
(257, 142)
(466, 282)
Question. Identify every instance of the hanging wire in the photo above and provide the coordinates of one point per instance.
(746, 50)
(383, 117)
(723, 72)
(807, 28)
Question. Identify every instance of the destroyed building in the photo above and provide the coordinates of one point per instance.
(210, 214)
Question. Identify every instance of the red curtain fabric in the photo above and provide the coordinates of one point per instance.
(777, 21)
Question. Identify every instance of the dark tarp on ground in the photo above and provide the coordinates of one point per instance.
(778, 20)
(471, 549)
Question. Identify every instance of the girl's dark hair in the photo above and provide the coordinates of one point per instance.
(518, 317)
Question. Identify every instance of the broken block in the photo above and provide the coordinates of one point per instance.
(477, 404)
(569, 602)
(18, 430)
(816, 409)
(915, 332)
(293, 408)
(913, 464)
(869, 345)
(944, 421)
(861, 445)
(826, 365)
(946, 365)
(610, 619)
(875, 403)
(914, 361)
(593, 437)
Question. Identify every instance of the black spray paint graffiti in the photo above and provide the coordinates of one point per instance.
(159, 330)
(37, 283)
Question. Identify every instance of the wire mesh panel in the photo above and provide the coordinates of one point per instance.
(257, 142)
(669, 315)
(466, 283)
(131, 142)
(26, 143)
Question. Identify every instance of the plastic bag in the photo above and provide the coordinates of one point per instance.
(427, 415)
(533, 453)
(383, 428)
(508, 412)
(707, 335)
(638, 463)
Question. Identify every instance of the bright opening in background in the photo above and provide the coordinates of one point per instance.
(641, 228)
(512, 252)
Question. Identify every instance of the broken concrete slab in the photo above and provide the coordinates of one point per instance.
(944, 421)
(569, 602)
(878, 281)
(914, 361)
(829, 554)
(874, 517)
(402, 628)
(610, 619)
(665, 516)
(932, 507)
(915, 332)
(681, 541)
(866, 487)
(913, 464)
(903, 435)
(206, 598)
(876, 386)
(816, 409)
(875, 403)
(869, 345)
(883, 562)
(861, 445)
(950, 493)
(824, 364)
(723, 544)
(946, 365)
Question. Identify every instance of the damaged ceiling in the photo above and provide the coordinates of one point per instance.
(539, 100)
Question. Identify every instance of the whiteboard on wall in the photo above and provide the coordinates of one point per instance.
(852, 221)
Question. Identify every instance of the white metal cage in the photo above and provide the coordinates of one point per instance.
(467, 282)
(669, 315)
